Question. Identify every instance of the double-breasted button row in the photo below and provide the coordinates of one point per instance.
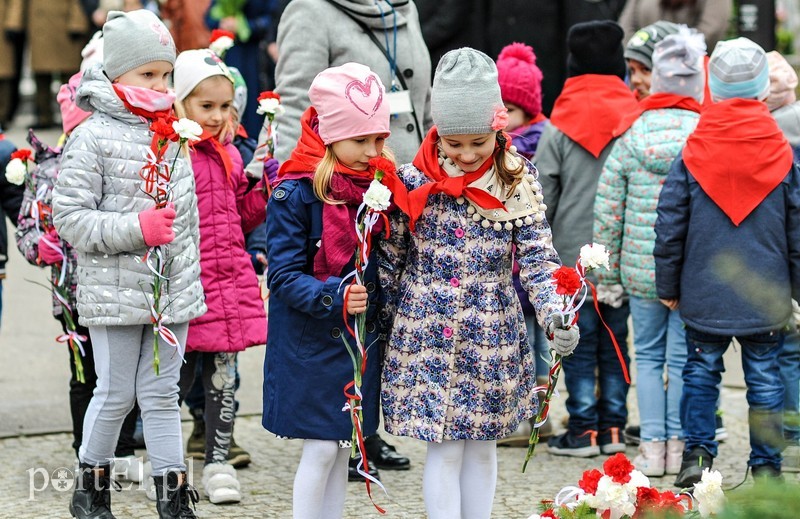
(337, 332)
(327, 300)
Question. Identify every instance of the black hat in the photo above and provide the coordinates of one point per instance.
(595, 48)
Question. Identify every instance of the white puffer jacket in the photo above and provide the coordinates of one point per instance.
(96, 202)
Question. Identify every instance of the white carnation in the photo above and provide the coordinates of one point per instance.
(378, 196)
(708, 493)
(221, 45)
(270, 106)
(16, 171)
(594, 256)
(187, 129)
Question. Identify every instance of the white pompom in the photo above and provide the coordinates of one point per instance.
(539, 217)
(509, 226)
(528, 220)
(471, 210)
(518, 223)
(460, 200)
(497, 226)
(476, 217)
(485, 224)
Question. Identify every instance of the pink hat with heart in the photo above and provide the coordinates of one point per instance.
(350, 101)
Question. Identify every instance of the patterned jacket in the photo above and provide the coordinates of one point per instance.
(458, 364)
(96, 204)
(627, 196)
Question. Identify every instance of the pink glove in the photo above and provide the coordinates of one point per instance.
(47, 254)
(271, 167)
(157, 225)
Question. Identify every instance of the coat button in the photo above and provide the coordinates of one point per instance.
(459, 232)
(454, 282)
(410, 127)
(371, 327)
(336, 333)
(408, 72)
(447, 332)
(370, 287)
(327, 300)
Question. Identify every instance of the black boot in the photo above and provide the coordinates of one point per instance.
(92, 496)
(175, 500)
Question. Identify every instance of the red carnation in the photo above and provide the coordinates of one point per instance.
(219, 33)
(382, 164)
(619, 468)
(567, 281)
(269, 95)
(650, 501)
(549, 513)
(23, 154)
(646, 496)
(588, 482)
(164, 129)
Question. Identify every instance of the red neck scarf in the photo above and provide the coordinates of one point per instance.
(738, 155)
(427, 161)
(654, 102)
(348, 185)
(590, 107)
(227, 161)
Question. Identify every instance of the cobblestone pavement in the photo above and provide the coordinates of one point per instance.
(267, 482)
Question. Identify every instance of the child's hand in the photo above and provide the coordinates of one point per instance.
(47, 254)
(157, 225)
(356, 297)
(564, 337)
(271, 167)
(672, 304)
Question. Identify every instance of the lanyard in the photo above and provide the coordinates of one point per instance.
(391, 52)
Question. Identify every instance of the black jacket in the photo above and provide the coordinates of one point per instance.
(10, 201)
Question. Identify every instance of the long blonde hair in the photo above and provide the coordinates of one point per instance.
(327, 167)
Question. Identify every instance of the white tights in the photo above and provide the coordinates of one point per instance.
(459, 479)
(320, 484)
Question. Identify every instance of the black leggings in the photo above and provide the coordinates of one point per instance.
(80, 393)
(219, 375)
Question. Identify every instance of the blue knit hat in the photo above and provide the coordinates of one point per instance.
(738, 68)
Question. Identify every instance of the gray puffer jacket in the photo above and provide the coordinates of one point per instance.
(96, 202)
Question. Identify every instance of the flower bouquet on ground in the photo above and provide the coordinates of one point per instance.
(157, 174)
(377, 199)
(573, 287)
(18, 171)
(621, 492)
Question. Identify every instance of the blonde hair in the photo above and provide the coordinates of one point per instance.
(508, 170)
(327, 167)
(180, 109)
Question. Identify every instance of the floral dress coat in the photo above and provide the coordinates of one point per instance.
(458, 364)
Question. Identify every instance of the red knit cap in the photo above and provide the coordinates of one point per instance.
(520, 79)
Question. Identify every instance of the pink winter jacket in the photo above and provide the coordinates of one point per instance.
(235, 317)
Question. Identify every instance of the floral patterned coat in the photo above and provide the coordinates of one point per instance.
(458, 364)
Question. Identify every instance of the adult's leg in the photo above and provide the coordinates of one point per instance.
(441, 479)
(478, 479)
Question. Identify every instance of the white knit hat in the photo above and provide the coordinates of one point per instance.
(193, 66)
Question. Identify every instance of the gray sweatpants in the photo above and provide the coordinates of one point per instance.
(123, 359)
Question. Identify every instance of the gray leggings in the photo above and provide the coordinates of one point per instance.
(123, 358)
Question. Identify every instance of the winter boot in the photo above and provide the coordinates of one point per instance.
(175, 498)
(675, 448)
(91, 498)
(651, 458)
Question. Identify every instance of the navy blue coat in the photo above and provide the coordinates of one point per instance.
(307, 365)
(730, 280)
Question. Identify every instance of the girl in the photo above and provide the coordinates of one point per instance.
(624, 220)
(100, 208)
(46, 250)
(639, 55)
(235, 317)
(310, 232)
(458, 372)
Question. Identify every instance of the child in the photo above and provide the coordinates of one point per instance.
(38, 250)
(310, 222)
(624, 221)
(459, 372)
(639, 55)
(570, 158)
(235, 319)
(521, 87)
(100, 208)
(783, 105)
(735, 176)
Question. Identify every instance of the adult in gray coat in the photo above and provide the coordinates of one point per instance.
(338, 37)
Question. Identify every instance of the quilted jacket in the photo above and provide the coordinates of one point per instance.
(96, 202)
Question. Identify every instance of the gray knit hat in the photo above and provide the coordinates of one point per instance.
(132, 39)
(641, 45)
(678, 64)
(738, 68)
(465, 93)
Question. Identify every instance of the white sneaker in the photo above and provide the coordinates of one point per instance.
(220, 483)
(130, 468)
(651, 458)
